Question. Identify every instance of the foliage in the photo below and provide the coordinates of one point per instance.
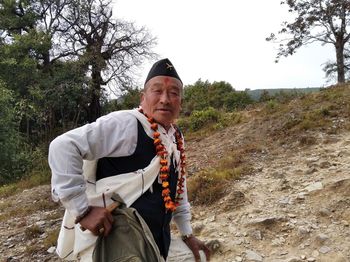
(199, 119)
(218, 95)
(130, 99)
(14, 154)
(205, 122)
(324, 21)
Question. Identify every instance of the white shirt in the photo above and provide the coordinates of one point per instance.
(113, 135)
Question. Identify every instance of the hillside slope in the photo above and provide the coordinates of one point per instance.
(293, 204)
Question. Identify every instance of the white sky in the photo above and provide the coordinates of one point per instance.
(224, 40)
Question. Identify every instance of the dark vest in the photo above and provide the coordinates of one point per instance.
(150, 205)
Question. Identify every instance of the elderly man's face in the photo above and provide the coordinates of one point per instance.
(161, 99)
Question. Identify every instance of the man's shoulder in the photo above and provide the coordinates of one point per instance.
(126, 115)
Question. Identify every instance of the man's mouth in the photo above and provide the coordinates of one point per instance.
(164, 109)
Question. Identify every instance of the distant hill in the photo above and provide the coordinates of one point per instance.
(256, 94)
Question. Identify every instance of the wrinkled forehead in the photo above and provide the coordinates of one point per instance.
(164, 81)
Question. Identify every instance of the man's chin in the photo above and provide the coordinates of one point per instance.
(164, 121)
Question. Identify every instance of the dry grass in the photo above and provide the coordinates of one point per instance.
(51, 239)
(33, 180)
(210, 185)
(26, 210)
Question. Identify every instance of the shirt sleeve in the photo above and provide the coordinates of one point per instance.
(113, 135)
(182, 214)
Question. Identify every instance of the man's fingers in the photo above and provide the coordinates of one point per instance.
(207, 252)
(197, 257)
(109, 217)
(107, 227)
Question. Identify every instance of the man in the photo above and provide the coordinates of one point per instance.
(140, 157)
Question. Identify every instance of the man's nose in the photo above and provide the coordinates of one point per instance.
(164, 98)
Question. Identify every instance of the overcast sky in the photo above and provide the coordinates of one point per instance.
(224, 40)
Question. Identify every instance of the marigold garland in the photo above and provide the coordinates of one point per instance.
(164, 170)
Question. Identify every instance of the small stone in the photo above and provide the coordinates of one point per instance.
(324, 212)
(324, 250)
(256, 234)
(51, 250)
(311, 259)
(212, 219)
(312, 160)
(252, 256)
(325, 164)
(315, 253)
(283, 253)
(303, 257)
(302, 231)
(321, 238)
(40, 223)
(311, 170)
(314, 187)
(293, 259)
(238, 259)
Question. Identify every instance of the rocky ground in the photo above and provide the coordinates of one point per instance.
(293, 206)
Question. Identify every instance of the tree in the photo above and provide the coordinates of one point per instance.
(109, 49)
(58, 57)
(324, 21)
(14, 159)
(218, 95)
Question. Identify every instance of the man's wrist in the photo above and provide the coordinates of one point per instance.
(186, 236)
(84, 214)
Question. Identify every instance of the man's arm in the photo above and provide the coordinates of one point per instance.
(112, 135)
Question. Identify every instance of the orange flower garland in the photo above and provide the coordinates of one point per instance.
(164, 170)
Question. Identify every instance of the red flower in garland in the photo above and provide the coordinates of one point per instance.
(169, 204)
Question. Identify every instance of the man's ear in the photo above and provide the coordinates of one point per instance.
(142, 96)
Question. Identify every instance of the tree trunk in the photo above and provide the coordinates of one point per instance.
(339, 49)
(94, 111)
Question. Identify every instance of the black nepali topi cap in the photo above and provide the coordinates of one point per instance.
(162, 68)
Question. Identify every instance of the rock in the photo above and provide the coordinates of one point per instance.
(238, 259)
(212, 219)
(285, 201)
(324, 212)
(315, 253)
(213, 245)
(321, 238)
(302, 231)
(294, 259)
(324, 250)
(311, 170)
(314, 187)
(325, 164)
(252, 256)
(267, 221)
(312, 160)
(51, 250)
(256, 234)
(311, 259)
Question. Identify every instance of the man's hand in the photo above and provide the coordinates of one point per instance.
(99, 221)
(195, 245)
